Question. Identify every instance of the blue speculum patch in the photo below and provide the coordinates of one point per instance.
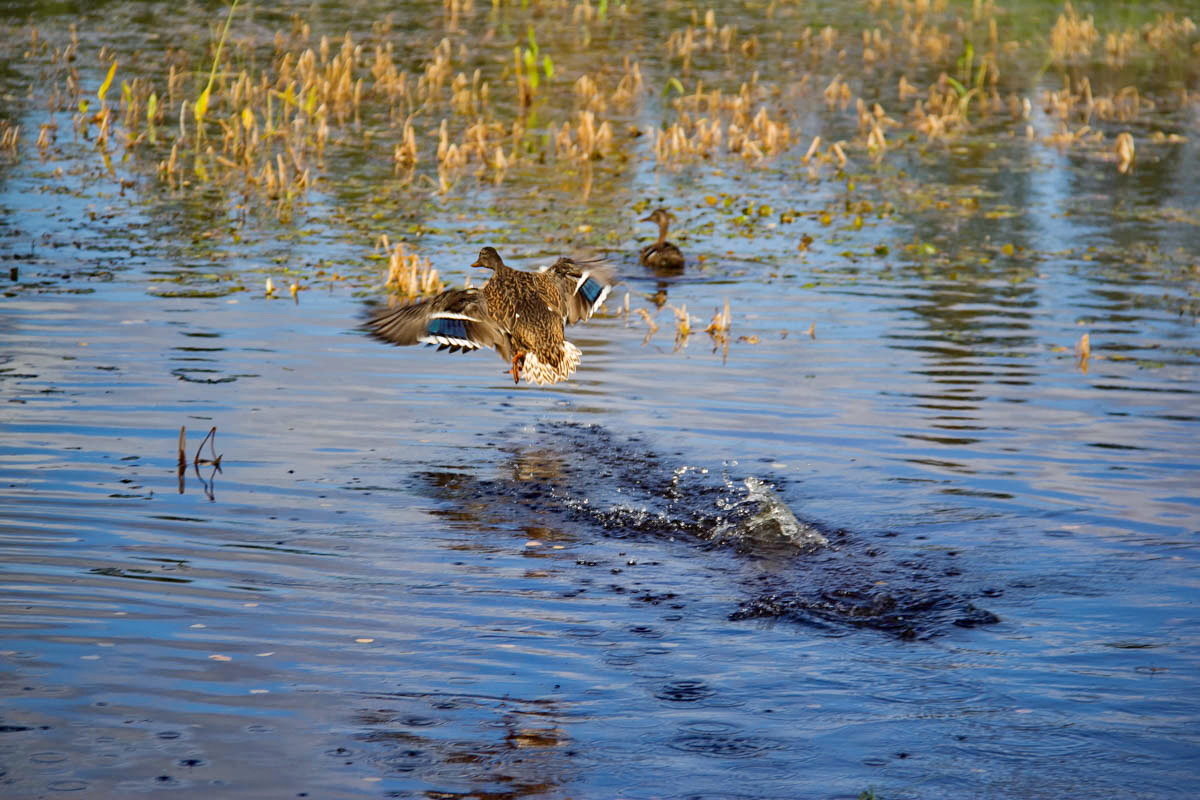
(590, 290)
(452, 328)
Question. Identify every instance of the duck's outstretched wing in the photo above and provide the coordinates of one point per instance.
(583, 285)
(456, 319)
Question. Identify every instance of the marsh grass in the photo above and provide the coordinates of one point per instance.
(10, 137)
(571, 97)
(683, 325)
(263, 112)
(651, 325)
(409, 274)
(718, 327)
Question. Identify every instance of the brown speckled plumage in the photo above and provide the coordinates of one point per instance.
(520, 314)
(662, 255)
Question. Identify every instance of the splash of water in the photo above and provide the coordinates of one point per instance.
(759, 519)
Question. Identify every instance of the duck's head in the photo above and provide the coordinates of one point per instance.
(488, 259)
(660, 216)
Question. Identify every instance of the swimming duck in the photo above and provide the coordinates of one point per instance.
(520, 314)
(662, 255)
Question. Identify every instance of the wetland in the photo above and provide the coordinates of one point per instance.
(891, 491)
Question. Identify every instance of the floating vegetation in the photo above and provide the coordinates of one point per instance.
(651, 325)
(409, 274)
(10, 137)
(259, 113)
(740, 122)
(1124, 151)
(1083, 351)
(718, 328)
(683, 325)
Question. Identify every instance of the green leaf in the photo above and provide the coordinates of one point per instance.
(201, 107)
(202, 101)
(103, 90)
(981, 74)
(151, 111)
(672, 83)
(547, 66)
(966, 61)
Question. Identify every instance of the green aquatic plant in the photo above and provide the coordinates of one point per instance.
(531, 66)
(968, 76)
(108, 80)
(298, 102)
(200, 107)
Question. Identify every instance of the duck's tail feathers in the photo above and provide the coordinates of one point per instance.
(534, 370)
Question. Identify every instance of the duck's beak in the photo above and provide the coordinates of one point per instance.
(646, 219)
(477, 263)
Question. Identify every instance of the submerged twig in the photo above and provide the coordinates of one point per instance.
(208, 483)
(181, 469)
(652, 326)
(181, 466)
(210, 439)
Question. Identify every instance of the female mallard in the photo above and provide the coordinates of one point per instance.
(662, 255)
(520, 314)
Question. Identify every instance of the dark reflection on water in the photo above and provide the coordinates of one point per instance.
(573, 475)
(526, 752)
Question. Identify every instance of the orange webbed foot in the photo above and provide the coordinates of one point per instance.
(518, 363)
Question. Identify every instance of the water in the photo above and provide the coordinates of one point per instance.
(410, 578)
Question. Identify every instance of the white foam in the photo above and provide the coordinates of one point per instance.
(770, 521)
